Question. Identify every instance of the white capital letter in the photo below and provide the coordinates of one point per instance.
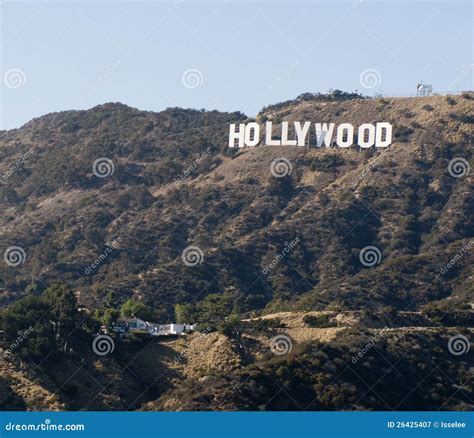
(255, 127)
(301, 133)
(284, 135)
(361, 135)
(268, 136)
(323, 133)
(236, 135)
(340, 135)
(380, 127)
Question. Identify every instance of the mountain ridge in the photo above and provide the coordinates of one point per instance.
(359, 260)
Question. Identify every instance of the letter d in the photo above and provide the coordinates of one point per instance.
(379, 129)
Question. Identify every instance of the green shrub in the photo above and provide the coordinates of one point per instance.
(133, 308)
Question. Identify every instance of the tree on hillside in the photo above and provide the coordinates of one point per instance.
(30, 316)
(135, 309)
(184, 313)
(64, 311)
(107, 311)
(38, 325)
(213, 309)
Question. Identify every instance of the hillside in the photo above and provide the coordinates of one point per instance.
(266, 247)
(401, 200)
(351, 366)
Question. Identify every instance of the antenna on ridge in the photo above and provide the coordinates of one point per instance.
(423, 89)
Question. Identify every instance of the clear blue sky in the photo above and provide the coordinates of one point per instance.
(77, 55)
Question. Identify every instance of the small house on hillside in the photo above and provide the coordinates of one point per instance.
(124, 325)
(137, 325)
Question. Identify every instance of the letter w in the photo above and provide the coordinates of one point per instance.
(324, 134)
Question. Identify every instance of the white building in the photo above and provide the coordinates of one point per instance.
(137, 325)
(174, 329)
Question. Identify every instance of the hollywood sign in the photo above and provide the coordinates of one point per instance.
(368, 134)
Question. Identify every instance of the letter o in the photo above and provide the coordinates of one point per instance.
(361, 135)
(252, 134)
(340, 135)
